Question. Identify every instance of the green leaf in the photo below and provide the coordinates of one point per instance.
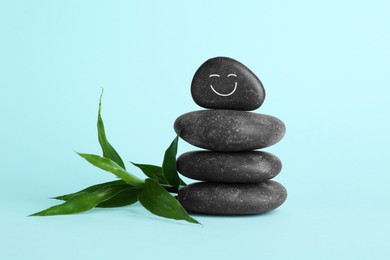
(160, 202)
(155, 172)
(89, 189)
(152, 171)
(108, 151)
(81, 202)
(124, 198)
(169, 164)
(111, 166)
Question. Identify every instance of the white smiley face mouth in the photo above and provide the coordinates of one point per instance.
(221, 94)
(224, 95)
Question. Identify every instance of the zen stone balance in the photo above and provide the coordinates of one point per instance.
(235, 178)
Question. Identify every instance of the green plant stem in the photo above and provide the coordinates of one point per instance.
(111, 166)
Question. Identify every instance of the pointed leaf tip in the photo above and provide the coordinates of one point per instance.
(107, 149)
(169, 164)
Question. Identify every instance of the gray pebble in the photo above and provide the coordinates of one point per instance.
(229, 130)
(232, 199)
(235, 167)
(224, 83)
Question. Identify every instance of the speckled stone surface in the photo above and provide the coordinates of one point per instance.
(229, 130)
(232, 199)
(234, 167)
(224, 83)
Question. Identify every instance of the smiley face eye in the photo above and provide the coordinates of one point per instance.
(217, 75)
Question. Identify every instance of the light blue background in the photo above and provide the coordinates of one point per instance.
(325, 67)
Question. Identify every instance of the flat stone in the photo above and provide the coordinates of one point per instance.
(224, 83)
(229, 130)
(234, 167)
(232, 199)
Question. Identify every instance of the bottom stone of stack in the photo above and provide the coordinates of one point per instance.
(232, 199)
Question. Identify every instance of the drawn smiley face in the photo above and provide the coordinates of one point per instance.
(224, 83)
(213, 88)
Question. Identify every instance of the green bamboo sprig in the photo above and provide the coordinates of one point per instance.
(153, 193)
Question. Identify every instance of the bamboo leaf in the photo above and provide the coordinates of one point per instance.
(107, 149)
(169, 164)
(81, 202)
(152, 171)
(155, 172)
(123, 198)
(160, 202)
(89, 189)
(111, 166)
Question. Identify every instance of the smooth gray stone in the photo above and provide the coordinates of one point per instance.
(235, 167)
(224, 83)
(232, 199)
(229, 130)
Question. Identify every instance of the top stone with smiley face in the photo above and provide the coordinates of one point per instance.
(224, 83)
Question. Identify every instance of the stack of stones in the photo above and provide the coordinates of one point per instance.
(236, 179)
